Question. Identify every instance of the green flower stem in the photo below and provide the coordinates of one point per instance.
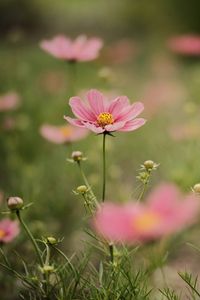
(145, 184)
(66, 258)
(37, 250)
(104, 168)
(87, 184)
(111, 249)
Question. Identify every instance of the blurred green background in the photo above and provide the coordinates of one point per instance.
(141, 67)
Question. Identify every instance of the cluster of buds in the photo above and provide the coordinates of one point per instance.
(76, 156)
(146, 168)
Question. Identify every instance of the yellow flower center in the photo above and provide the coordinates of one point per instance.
(105, 119)
(2, 233)
(65, 131)
(146, 221)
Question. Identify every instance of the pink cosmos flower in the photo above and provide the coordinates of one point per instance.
(185, 45)
(9, 101)
(103, 116)
(164, 213)
(8, 230)
(62, 134)
(81, 49)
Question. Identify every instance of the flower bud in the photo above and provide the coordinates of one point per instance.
(77, 155)
(15, 203)
(82, 189)
(196, 188)
(51, 240)
(46, 269)
(149, 164)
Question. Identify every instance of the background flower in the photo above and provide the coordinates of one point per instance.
(166, 211)
(185, 44)
(9, 101)
(8, 230)
(62, 134)
(81, 49)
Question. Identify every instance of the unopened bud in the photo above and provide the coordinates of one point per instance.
(15, 203)
(196, 188)
(46, 269)
(82, 189)
(149, 164)
(51, 240)
(77, 155)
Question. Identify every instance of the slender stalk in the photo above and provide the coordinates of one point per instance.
(111, 252)
(87, 183)
(145, 184)
(143, 191)
(37, 250)
(104, 190)
(104, 168)
(66, 258)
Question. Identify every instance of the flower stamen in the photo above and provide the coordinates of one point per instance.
(65, 131)
(104, 119)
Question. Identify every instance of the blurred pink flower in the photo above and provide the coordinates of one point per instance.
(8, 123)
(187, 131)
(164, 213)
(81, 49)
(121, 51)
(62, 134)
(8, 230)
(103, 116)
(160, 93)
(9, 101)
(185, 44)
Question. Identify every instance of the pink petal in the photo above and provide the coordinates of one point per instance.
(93, 127)
(58, 46)
(114, 222)
(133, 124)
(62, 134)
(115, 126)
(80, 110)
(91, 49)
(52, 133)
(74, 122)
(11, 229)
(96, 101)
(117, 105)
(164, 197)
(130, 112)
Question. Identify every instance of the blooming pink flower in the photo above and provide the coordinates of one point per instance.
(9, 101)
(62, 134)
(81, 49)
(164, 213)
(185, 44)
(101, 116)
(8, 230)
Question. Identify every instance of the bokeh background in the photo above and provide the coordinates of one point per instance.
(135, 61)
